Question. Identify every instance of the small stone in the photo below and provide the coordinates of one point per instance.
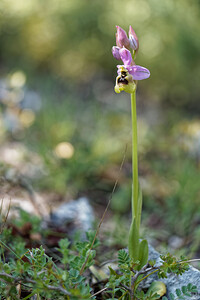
(79, 212)
(175, 242)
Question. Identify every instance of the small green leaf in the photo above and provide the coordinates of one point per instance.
(187, 294)
(64, 243)
(184, 289)
(133, 243)
(171, 296)
(123, 257)
(143, 253)
(189, 286)
(152, 262)
(178, 292)
(194, 289)
(112, 272)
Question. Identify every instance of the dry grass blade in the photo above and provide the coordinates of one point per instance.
(6, 217)
(104, 289)
(27, 186)
(1, 206)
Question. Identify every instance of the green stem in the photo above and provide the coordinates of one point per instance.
(134, 157)
(134, 229)
(146, 277)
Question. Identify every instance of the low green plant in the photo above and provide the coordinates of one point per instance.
(127, 280)
(35, 273)
(68, 274)
(183, 293)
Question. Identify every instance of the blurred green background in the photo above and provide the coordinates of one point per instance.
(72, 40)
(64, 128)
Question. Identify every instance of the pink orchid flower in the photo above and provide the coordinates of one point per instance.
(137, 72)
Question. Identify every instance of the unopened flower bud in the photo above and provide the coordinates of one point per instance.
(122, 38)
(115, 52)
(133, 39)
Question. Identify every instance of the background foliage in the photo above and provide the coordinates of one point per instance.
(57, 78)
(72, 39)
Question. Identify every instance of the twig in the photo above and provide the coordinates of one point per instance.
(156, 270)
(123, 295)
(107, 261)
(188, 261)
(28, 280)
(125, 287)
(99, 292)
(106, 288)
(102, 218)
(144, 270)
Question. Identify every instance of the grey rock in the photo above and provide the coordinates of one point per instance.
(175, 242)
(78, 212)
(174, 282)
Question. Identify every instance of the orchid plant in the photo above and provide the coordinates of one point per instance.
(128, 75)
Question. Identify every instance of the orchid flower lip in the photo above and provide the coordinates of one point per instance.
(137, 72)
(125, 82)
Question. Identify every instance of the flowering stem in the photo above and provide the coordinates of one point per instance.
(136, 205)
(134, 157)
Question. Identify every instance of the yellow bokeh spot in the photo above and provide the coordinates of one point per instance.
(64, 150)
(27, 117)
(17, 79)
(190, 128)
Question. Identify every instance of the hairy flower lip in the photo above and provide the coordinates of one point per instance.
(125, 82)
(122, 38)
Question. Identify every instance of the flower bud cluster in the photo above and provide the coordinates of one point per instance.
(129, 72)
(122, 40)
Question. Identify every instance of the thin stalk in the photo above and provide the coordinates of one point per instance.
(188, 261)
(134, 157)
(134, 236)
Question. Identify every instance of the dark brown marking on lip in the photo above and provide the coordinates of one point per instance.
(123, 73)
(122, 80)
